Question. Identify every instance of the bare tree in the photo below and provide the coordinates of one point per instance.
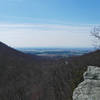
(96, 34)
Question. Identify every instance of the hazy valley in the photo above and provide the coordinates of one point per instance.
(56, 52)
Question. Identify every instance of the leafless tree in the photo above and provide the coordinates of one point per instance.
(96, 34)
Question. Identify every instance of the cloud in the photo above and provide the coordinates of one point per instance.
(46, 26)
(45, 35)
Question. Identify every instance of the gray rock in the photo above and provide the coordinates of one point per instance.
(89, 89)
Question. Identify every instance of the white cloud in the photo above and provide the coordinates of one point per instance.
(45, 35)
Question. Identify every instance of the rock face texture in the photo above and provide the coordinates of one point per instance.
(89, 89)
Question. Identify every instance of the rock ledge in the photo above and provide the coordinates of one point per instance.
(89, 89)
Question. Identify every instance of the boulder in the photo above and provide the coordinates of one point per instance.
(89, 89)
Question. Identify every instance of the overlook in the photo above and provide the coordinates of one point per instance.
(26, 77)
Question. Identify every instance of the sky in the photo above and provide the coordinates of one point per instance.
(48, 23)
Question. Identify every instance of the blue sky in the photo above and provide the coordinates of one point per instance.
(49, 23)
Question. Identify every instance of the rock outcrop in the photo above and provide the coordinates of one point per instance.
(89, 89)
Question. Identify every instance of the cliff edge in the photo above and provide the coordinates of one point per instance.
(89, 89)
